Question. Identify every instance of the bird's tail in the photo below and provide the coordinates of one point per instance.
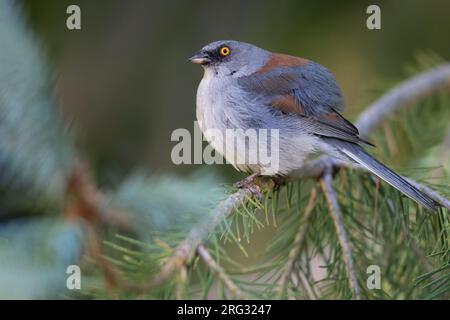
(359, 155)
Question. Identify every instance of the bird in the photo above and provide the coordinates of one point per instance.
(245, 87)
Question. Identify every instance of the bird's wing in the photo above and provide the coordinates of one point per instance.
(302, 87)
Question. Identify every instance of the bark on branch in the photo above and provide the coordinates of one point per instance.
(422, 85)
(335, 210)
(296, 246)
(218, 270)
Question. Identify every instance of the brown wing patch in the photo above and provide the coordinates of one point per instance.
(282, 60)
(333, 123)
(288, 104)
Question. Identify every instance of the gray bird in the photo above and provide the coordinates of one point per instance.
(248, 88)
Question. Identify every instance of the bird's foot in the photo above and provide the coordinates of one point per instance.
(278, 182)
(247, 182)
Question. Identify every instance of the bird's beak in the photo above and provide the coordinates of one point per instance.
(200, 57)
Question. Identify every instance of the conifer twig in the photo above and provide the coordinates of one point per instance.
(422, 85)
(430, 192)
(86, 203)
(296, 246)
(181, 285)
(327, 185)
(309, 290)
(218, 270)
(184, 250)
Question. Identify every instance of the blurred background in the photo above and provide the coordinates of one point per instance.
(124, 84)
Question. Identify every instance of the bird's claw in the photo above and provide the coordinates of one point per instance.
(247, 182)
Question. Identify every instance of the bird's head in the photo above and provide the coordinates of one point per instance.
(230, 58)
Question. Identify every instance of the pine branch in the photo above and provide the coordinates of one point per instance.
(218, 270)
(296, 246)
(86, 202)
(182, 281)
(185, 249)
(433, 194)
(422, 85)
(327, 186)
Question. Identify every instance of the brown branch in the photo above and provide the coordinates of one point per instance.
(422, 85)
(431, 193)
(296, 246)
(326, 183)
(84, 202)
(220, 273)
(111, 274)
(181, 283)
(309, 290)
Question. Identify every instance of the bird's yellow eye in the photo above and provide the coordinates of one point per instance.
(224, 51)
